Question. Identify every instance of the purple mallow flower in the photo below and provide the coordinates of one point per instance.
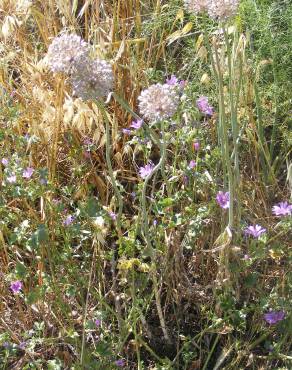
(273, 317)
(255, 231)
(173, 80)
(204, 106)
(126, 131)
(16, 286)
(137, 124)
(27, 173)
(112, 215)
(68, 220)
(97, 322)
(282, 209)
(120, 363)
(196, 145)
(12, 178)
(192, 164)
(4, 161)
(223, 199)
(145, 171)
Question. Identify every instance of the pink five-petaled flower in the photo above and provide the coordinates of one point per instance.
(12, 178)
(173, 80)
(282, 209)
(255, 231)
(192, 164)
(196, 145)
(120, 363)
(97, 322)
(126, 131)
(146, 170)
(223, 199)
(4, 161)
(112, 215)
(27, 173)
(68, 220)
(273, 317)
(16, 286)
(204, 106)
(137, 124)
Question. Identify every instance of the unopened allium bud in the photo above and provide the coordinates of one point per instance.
(196, 6)
(159, 102)
(93, 81)
(222, 9)
(66, 52)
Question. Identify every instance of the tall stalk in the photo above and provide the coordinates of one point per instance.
(150, 249)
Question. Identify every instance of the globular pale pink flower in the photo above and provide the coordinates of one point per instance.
(204, 106)
(256, 231)
(93, 81)
(27, 173)
(12, 178)
(222, 9)
(159, 102)
(192, 164)
(223, 199)
(16, 286)
(282, 209)
(273, 317)
(196, 6)
(67, 52)
(137, 124)
(146, 170)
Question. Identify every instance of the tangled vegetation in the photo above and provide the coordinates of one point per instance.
(146, 184)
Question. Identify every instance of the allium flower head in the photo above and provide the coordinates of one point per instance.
(282, 209)
(159, 102)
(93, 81)
(146, 170)
(222, 9)
(67, 52)
(204, 106)
(255, 231)
(196, 6)
(223, 199)
(273, 317)
(16, 286)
